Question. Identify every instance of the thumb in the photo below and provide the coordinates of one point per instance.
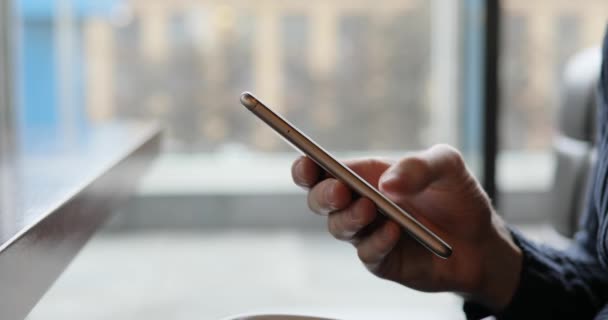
(414, 173)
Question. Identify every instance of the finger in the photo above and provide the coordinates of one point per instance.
(305, 172)
(415, 173)
(345, 224)
(370, 169)
(373, 249)
(329, 195)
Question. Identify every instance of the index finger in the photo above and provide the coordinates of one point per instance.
(306, 173)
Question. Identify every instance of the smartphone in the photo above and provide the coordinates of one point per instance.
(341, 172)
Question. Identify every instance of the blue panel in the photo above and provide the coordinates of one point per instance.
(45, 9)
(95, 7)
(37, 72)
(38, 92)
(36, 9)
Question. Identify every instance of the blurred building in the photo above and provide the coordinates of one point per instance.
(538, 37)
(353, 71)
(331, 66)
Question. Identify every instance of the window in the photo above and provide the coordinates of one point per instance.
(5, 84)
(360, 78)
(328, 68)
(538, 38)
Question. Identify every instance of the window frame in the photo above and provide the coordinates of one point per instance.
(6, 77)
(491, 97)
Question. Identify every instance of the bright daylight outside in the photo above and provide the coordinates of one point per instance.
(217, 227)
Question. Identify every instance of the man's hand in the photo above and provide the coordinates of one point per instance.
(436, 188)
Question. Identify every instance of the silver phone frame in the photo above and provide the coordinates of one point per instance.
(301, 142)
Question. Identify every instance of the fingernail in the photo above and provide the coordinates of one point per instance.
(298, 167)
(299, 174)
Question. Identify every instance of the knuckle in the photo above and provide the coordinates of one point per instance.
(363, 205)
(416, 163)
(320, 198)
(374, 162)
(334, 227)
(337, 229)
(445, 149)
(377, 240)
(457, 161)
(365, 256)
(452, 156)
(384, 237)
(370, 164)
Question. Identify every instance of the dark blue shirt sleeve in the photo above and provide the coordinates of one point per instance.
(555, 284)
(569, 284)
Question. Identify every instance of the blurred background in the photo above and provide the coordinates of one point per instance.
(217, 228)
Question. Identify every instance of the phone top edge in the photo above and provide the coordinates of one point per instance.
(248, 100)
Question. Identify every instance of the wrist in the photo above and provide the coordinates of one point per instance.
(501, 269)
